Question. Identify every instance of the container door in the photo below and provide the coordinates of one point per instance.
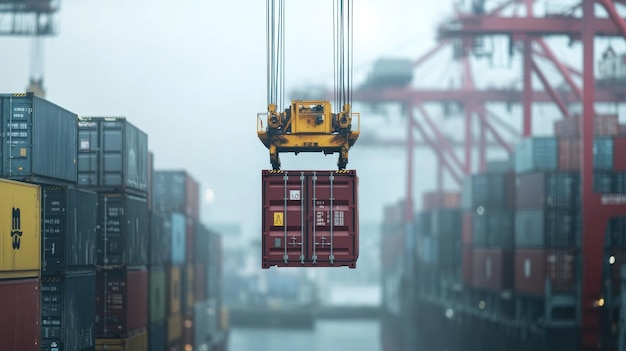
(88, 153)
(19, 136)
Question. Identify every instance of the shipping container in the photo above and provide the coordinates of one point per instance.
(493, 269)
(433, 200)
(20, 316)
(174, 328)
(174, 283)
(616, 232)
(20, 225)
(121, 302)
(160, 239)
(68, 309)
(534, 268)
(536, 154)
(422, 223)
(493, 228)
(158, 295)
(603, 125)
(603, 153)
(548, 189)
(485, 190)
(136, 342)
(176, 226)
(32, 133)
(446, 221)
(619, 157)
(603, 182)
(467, 228)
(619, 182)
(450, 251)
(547, 228)
(157, 335)
(215, 268)
(613, 261)
(202, 245)
(69, 228)
(199, 281)
(500, 166)
(176, 191)
(187, 296)
(112, 155)
(310, 219)
(122, 238)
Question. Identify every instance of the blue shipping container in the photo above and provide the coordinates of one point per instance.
(603, 153)
(177, 228)
(536, 154)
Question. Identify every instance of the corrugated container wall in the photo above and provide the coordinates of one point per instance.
(112, 155)
(68, 308)
(20, 317)
(174, 282)
(547, 228)
(160, 240)
(121, 302)
(176, 191)
(69, 228)
(124, 226)
(299, 234)
(174, 328)
(177, 228)
(32, 133)
(158, 337)
(533, 267)
(20, 226)
(548, 189)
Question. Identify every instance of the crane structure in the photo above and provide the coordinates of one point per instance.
(31, 18)
(516, 20)
(309, 125)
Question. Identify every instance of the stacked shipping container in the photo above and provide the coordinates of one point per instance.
(113, 160)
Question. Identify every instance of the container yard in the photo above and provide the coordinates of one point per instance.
(446, 176)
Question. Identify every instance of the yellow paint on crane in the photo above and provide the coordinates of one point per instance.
(278, 219)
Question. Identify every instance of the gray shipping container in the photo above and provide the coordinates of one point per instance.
(68, 310)
(37, 140)
(122, 237)
(112, 155)
(538, 153)
(547, 228)
(68, 225)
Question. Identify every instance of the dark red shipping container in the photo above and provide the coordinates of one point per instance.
(20, 314)
(619, 153)
(121, 302)
(622, 129)
(199, 281)
(432, 200)
(533, 267)
(604, 125)
(493, 268)
(467, 234)
(310, 219)
(468, 265)
(569, 154)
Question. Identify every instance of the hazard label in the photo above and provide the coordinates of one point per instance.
(278, 218)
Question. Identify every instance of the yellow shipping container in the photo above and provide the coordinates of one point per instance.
(20, 230)
(137, 342)
(175, 288)
(174, 328)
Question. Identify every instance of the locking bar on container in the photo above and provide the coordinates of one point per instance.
(301, 218)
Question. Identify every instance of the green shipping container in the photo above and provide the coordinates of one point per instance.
(157, 295)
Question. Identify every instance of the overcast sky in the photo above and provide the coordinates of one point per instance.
(192, 75)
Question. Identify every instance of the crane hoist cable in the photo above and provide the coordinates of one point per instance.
(309, 125)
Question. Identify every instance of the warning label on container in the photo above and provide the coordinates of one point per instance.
(278, 219)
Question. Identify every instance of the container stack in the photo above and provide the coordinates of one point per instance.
(438, 239)
(176, 199)
(113, 161)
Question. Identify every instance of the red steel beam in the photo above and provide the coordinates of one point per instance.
(527, 98)
(555, 96)
(615, 17)
(524, 26)
(564, 71)
(435, 147)
(485, 123)
(612, 94)
(441, 139)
